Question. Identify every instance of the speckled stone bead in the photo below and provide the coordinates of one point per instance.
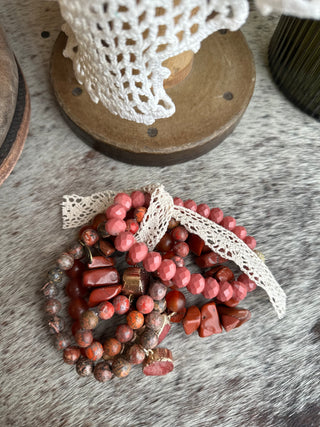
(139, 213)
(154, 320)
(173, 223)
(52, 306)
(157, 290)
(89, 236)
(135, 319)
(49, 290)
(124, 333)
(71, 355)
(102, 372)
(61, 341)
(135, 354)
(132, 225)
(179, 262)
(89, 320)
(145, 304)
(94, 351)
(160, 305)
(106, 310)
(65, 261)
(83, 338)
(84, 367)
(121, 304)
(181, 249)
(179, 234)
(111, 347)
(55, 275)
(121, 367)
(76, 250)
(56, 324)
(149, 339)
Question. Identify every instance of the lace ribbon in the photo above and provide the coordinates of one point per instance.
(77, 211)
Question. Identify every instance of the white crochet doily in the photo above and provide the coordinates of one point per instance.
(77, 211)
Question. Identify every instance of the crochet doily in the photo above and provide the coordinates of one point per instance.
(77, 211)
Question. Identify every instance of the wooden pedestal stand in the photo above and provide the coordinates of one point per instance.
(209, 103)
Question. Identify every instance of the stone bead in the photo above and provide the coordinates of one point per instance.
(196, 244)
(190, 204)
(121, 367)
(124, 241)
(106, 247)
(239, 291)
(49, 290)
(101, 230)
(164, 330)
(121, 304)
(123, 199)
(84, 367)
(231, 302)
(225, 292)
(112, 347)
(181, 249)
(61, 341)
(149, 339)
(211, 288)
(116, 211)
(196, 284)
(179, 234)
(159, 363)
(77, 306)
(154, 320)
(55, 275)
(192, 319)
(203, 210)
(77, 270)
(138, 252)
(94, 351)
(65, 261)
(75, 289)
(176, 301)
(102, 372)
(210, 323)
(71, 355)
(106, 310)
(178, 260)
(160, 305)
(224, 274)
(56, 324)
(145, 304)
(229, 223)
(124, 333)
(101, 261)
(101, 277)
(132, 225)
(178, 317)
(157, 290)
(52, 306)
(135, 319)
(83, 338)
(89, 236)
(98, 220)
(135, 281)
(166, 243)
(138, 198)
(102, 294)
(182, 277)
(209, 260)
(135, 354)
(89, 320)
(251, 286)
(250, 242)
(139, 213)
(229, 314)
(240, 232)
(114, 226)
(177, 201)
(75, 327)
(173, 223)
(167, 269)
(152, 261)
(216, 215)
(76, 250)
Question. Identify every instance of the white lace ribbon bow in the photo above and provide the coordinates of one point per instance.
(77, 211)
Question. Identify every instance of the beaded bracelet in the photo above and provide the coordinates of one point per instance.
(147, 292)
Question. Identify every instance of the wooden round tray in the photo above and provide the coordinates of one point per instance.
(209, 104)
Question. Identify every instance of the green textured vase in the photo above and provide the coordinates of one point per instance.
(294, 59)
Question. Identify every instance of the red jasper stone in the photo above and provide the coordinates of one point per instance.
(135, 354)
(135, 319)
(181, 249)
(196, 244)
(196, 284)
(240, 232)
(101, 277)
(101, 261)
(216, 215)
(209, 260)
(225, 292)
(179, 234)
(121, 304)
(190, 204)
(168, 255)
(251, 286)
(176, 301)
(76, 307)
(203, 210)
(83, 338)
(182, 277)
(229, 322)
(192, 319)
(159, 363)
(138, 198)
(89, 237)
(94, 351)
(157, 290)
(166, 243)
(211, 288)
(132, 225)
(139, 213)
(123, 199)
(241, 314)
(177, 201)
(231, 302)
(107, 248)
(124, 333)
(112, 347)
(239, 291)
(138, 252)
(210, 323)
(167, 269)
(147, 197)
(71, 355)
(250, 242)
(152, 261)
(179, 262)
(176, 318)
(75, 289)
(103, 294)
(224, 274)
(76, 270)
(106, 310)
(164, 331)
(145, 304)
(116, 211)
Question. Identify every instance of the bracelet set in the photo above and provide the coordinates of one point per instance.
(143, 286)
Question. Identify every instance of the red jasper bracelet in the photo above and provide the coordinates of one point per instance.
(148, 291)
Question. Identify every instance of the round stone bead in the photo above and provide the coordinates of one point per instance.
(65, 261)
(203, 210)
(132, 225)
(181, 249)
(160, 305)
(84, 367)
(116, 211)
(135, 354)
(196, 284)
(147, 197)
(149, 339)
(124, 241)
(211, 288)
(240, 232)
(228, 222)
(102, 372)
(182, 277)
(166, 243)
(138, 199)
(135, 319)
(94, 351)
(138, 252)
(56, 325)
(173, 223)
(121, 304)
(62, 341)
(121, 367)
(124, 333)
(216, 215)
(106, 310)
(76, 250)
(71, 355)
(179, 262)
(152, 261)
(76, 307)
(111, 347)
(250, 242)
(139, 213)
(225, 292)
(239, 291)
(157, 290)
(250, 284)
(83, 338)
(123, 199)
(89, 236)
(55, 275)
(179, 234)
(49, 290)
(177, 201)
(190, 204)
(98, 220)
(167, 269)
(52, 306)
(114, 226)
(154, 320)
(145, 304)
(89, 320)
(176, 301)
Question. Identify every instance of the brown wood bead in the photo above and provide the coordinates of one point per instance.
(101, 277)
(111, 347)
(210, 323)
(106, 247)
(102, 372)
(192, 319)
(135, 281)
(121, 367)
(166, 243)
(101, 261)
(71, 355)
(159, 362)
(103, 294)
